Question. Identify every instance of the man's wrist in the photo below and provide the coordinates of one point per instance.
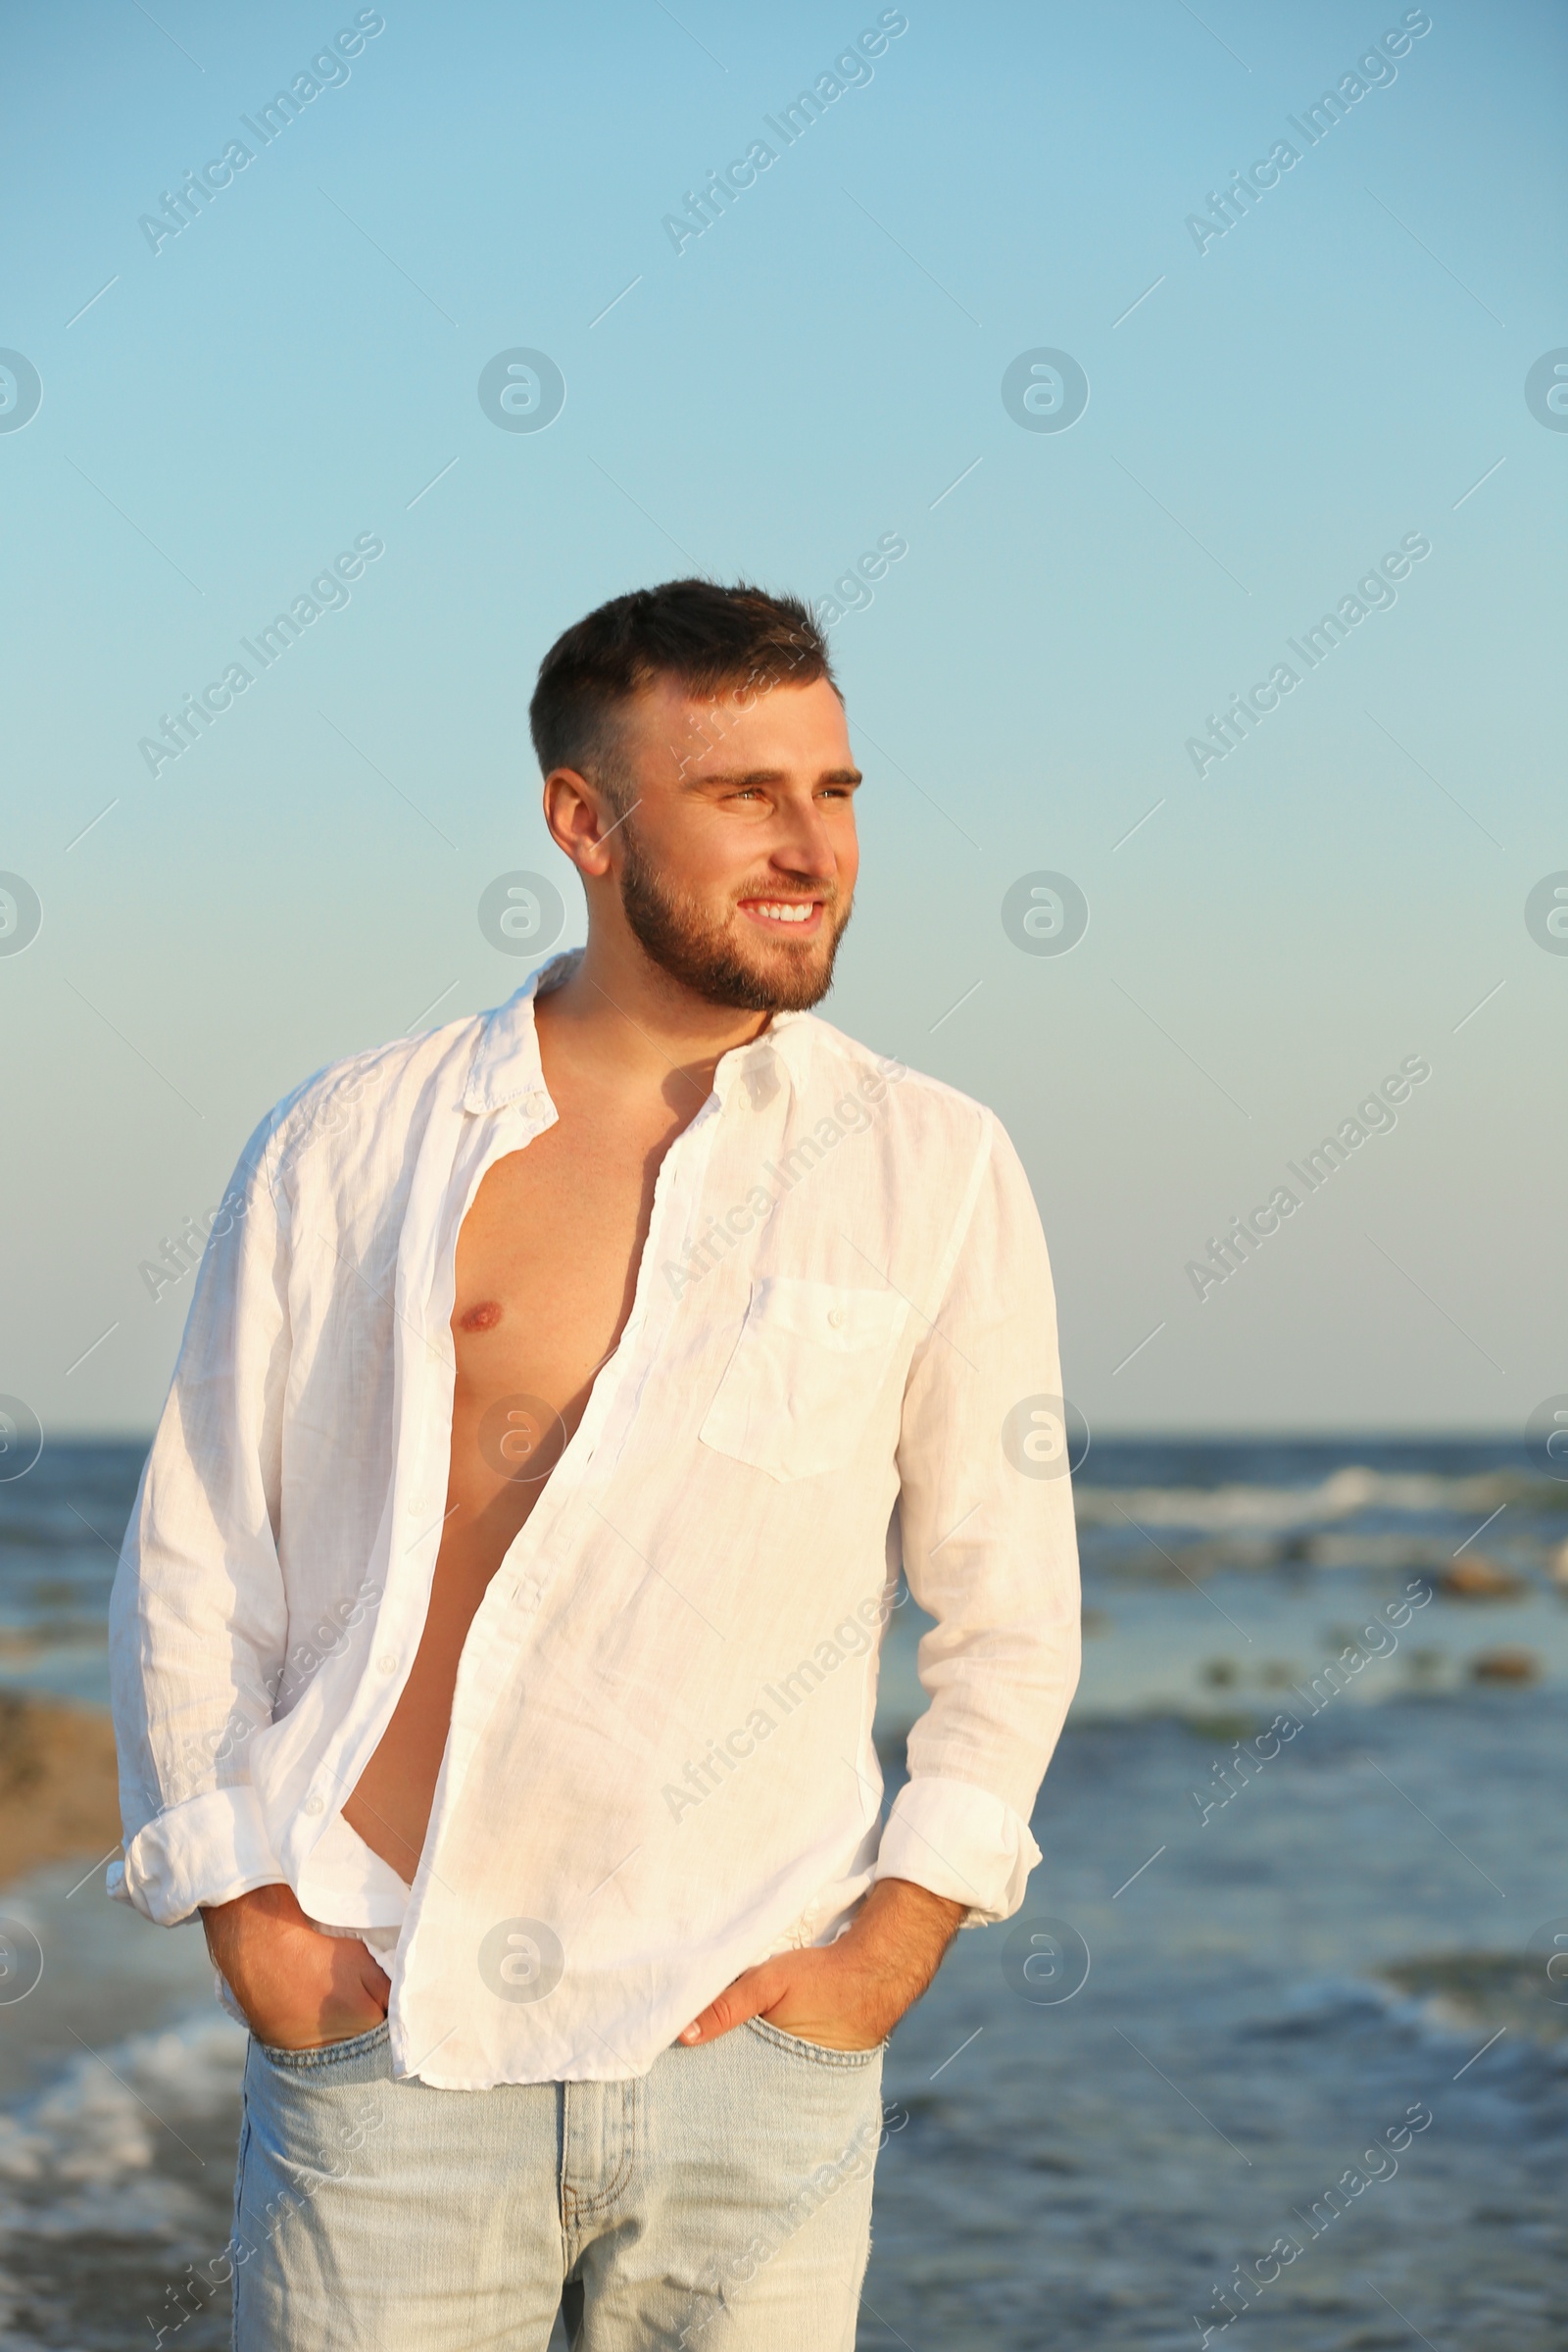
(908, 1907)
(223, 1924)
(903, 1932)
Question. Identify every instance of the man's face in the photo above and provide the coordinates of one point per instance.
(737, 862)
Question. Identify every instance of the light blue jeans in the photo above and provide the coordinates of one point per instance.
(721, 2203)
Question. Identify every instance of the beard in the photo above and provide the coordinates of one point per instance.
(678, 933)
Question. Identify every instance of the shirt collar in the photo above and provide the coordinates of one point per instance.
(506, 1065)
(756, 1071)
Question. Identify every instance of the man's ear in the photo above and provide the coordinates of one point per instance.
(581, 820)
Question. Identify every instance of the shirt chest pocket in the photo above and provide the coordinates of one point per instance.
(806, 1371)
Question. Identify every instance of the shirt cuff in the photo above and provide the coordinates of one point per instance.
(960, 1841)
(207, 1850)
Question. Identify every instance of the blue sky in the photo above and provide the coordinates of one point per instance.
(821, 367)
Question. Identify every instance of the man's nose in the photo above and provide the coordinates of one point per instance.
(803, 845)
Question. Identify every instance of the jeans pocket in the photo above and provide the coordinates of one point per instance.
(331, 2053)
(813, 2052)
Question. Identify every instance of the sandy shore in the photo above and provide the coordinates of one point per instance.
(58, 1795)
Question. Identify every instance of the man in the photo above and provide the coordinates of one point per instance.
(495, 1643)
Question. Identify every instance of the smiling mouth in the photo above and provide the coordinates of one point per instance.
(785, 915)
(798, 915)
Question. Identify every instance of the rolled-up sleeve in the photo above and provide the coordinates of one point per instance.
(198, 1622)
(988, 1552)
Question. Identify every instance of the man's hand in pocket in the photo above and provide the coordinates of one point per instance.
(847, 1996)
(299, 1988)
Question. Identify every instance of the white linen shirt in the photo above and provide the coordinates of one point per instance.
(840, 1357)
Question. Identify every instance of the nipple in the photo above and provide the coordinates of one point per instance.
(483, 1317)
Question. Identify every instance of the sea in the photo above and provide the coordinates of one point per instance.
(1275, 2055)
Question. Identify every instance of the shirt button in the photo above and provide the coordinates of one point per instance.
(314, 1804)
(835, 1315)
(386, 1663)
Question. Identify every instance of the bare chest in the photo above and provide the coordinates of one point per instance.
(546, 1264)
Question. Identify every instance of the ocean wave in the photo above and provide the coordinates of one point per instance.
(1452, 1997)
(1447, 2002)
(80, 2155)
(1341, 1495)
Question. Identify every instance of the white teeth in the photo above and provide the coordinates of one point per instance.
(791, 911)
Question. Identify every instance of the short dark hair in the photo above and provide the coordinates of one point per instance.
(706, 636)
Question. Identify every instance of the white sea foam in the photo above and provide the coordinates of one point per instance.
(80, 2155)
(1278, 1510)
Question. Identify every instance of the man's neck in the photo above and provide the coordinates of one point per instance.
(631, 1025)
